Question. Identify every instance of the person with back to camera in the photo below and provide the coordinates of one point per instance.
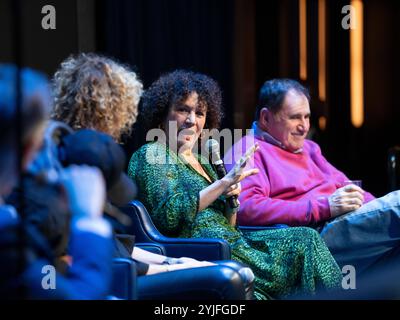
(25, 252)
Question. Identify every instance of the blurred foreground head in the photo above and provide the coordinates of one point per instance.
(97, 149)
(21, 120)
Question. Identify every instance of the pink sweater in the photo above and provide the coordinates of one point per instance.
(290, 188)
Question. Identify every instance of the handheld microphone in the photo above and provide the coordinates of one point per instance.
(212, 146)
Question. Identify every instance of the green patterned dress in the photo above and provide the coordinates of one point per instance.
(284, 261)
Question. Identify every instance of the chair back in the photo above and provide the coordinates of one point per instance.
(198, 248)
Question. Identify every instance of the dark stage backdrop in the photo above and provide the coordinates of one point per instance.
(158, 36)
(240, 43)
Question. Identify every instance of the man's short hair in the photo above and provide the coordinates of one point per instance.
(273, 92)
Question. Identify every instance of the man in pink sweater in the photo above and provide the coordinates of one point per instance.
(297, 186)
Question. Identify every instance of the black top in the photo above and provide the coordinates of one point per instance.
(124, 244)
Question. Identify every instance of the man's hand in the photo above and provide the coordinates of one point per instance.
(346, 199)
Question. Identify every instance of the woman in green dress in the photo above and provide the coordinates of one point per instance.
(186, 199)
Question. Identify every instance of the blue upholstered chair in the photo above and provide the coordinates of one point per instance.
(223, 282)
(145, 231)
(124, 279)
(215, 283)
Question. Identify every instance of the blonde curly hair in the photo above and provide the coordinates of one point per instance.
(92, 91)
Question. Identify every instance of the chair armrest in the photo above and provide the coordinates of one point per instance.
(200, 249)
(145, 231)
(152, 247)
(219, 282)
(123, 284)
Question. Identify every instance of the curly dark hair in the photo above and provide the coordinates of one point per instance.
(175, 87)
